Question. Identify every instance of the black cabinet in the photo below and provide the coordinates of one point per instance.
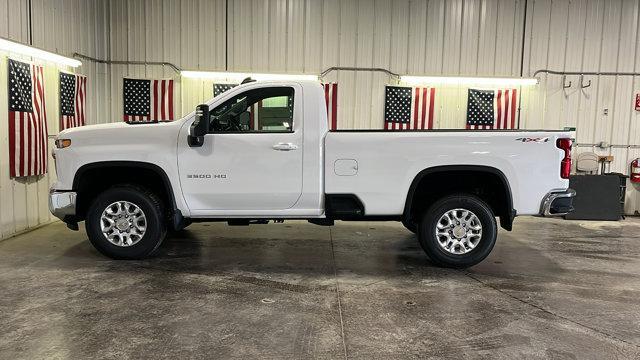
(598, 197)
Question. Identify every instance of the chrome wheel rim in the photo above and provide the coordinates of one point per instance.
(458, 231)
(123, 223)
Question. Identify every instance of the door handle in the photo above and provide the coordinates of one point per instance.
(285, 146)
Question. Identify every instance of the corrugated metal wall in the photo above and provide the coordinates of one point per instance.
(298, 36)
(452, 37)
(64, 26)
(587, 36)
(188, 33)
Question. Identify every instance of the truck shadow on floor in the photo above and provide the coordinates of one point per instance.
(393, 253)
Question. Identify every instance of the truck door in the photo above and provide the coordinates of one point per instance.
(252, 157)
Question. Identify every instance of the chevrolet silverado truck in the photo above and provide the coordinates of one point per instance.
(262, 152)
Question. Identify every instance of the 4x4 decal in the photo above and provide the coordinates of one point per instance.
(536, 140)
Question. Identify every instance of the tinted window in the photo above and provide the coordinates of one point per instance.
(257, 110)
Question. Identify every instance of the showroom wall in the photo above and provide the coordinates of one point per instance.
(64, 26)
(452, 37)
(433, 37)
(600, 36)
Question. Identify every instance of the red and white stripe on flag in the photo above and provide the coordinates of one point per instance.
(27, 120)
(160, 102)
(505, 105)
(253, 115)
(422, 106)
(331, 100)
(79, 102)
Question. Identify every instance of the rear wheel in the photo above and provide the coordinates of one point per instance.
(458, 231)
(126, 222)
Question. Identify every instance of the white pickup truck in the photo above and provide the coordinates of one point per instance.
(262, 151)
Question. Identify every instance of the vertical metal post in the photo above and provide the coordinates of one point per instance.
(226, 35)
(524, 31)
(30, 24)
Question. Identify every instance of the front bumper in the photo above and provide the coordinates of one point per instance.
(62, 204)
(558, 203)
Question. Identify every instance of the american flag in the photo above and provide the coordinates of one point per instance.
(27, 120)
(147, 100)
(408, 108)
(73, 100)
(492, 109)
(221, 88)
(331, 100)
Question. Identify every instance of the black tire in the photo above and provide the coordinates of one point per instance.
(429, 241)
(155, 222)
(411, 226)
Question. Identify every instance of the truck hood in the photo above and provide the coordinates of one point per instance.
(121, 133)
(111, 127)
(154, 143)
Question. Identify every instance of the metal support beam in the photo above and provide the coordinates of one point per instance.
(122, 62)
(582, 73)
(610, 146)
(350, 68)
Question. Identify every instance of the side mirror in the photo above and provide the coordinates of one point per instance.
(200, 126)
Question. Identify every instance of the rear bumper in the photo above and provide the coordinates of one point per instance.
(557, 203)
(62, 204)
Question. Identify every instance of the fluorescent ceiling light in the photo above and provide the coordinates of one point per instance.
(18, 48)
(237, 77)
(459, 80)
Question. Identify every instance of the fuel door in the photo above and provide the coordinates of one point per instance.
(345, 167)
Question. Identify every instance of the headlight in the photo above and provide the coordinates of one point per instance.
(63, 143)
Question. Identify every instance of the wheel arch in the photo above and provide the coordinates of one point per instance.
(137, 172)
(503, 208)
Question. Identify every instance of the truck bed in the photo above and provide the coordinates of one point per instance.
(378, 166)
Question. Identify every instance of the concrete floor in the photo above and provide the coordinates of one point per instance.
(550, 289)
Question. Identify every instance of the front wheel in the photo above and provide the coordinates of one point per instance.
(410, 225)
(126, 222)
(458, 231)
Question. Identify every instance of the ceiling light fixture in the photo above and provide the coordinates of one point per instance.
(18, 48)
(461, 80)
(237, 77)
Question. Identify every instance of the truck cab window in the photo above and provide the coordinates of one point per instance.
(257, 110)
